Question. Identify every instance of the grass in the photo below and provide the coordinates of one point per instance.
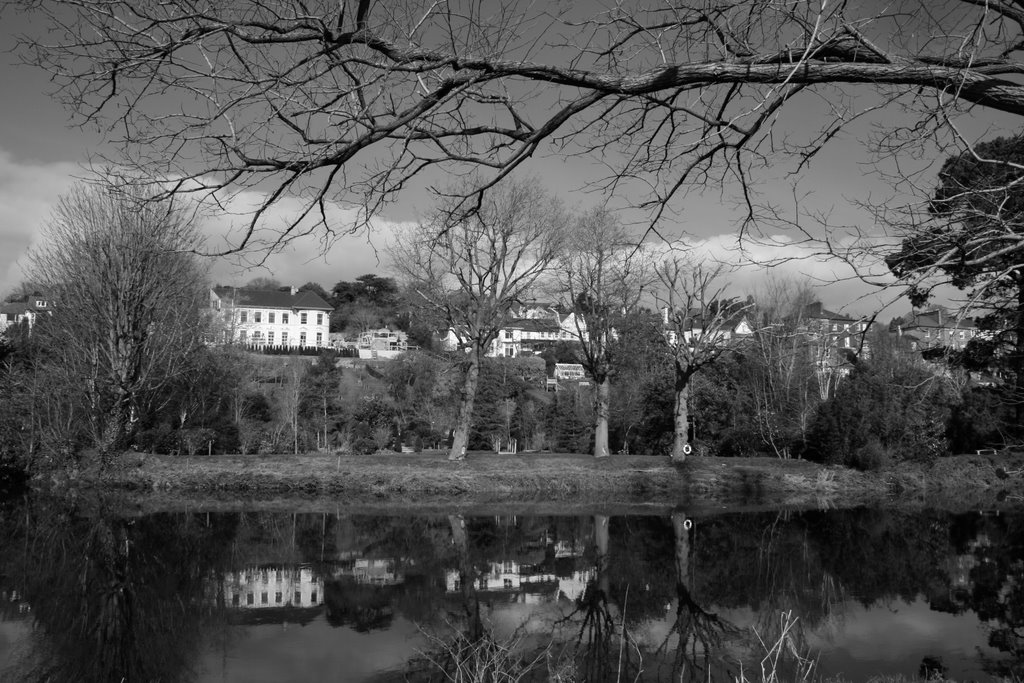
(550, 479)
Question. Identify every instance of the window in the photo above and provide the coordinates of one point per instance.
(319, 318)
(284, 318)
(278, 597)
(312, 598)
(256, 337)
(302, 338)
(242, 336)
(270, 317)
(40, 304)
(302, 318)
(508, 334)
(243, 317)
(963, 334)
(270, 337)
(284, 337)
(250, 599)
(257, 317)
(319, 338)
(235, 600)
(298, 598)
(263, 599)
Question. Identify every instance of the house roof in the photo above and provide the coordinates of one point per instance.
(939, 318)
(533, 325)
(817, 311)
(735, 315)
(24, 304)
(273, 298)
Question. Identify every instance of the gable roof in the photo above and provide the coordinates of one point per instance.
(816, 311)
(25, 305)
(272, 298)
(533, 325)
(939, 318)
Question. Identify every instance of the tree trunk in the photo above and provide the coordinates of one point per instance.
(1018, 361)
(601, 541)
(115, 430)
(601, 423)
(461, 436)
(681, 423)
(467, 579)
(680, 527)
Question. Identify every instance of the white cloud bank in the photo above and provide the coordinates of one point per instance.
(752, 264)
(28, 190)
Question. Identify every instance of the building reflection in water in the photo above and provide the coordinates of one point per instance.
(687, 601)
(259, 587)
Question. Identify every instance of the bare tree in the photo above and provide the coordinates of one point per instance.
(289, 398)
(698, 319)
(352, 102)
(603, 275)
(128, 295)
(782, 380)
(472, 268)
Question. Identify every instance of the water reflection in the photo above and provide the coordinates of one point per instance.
(89, 594)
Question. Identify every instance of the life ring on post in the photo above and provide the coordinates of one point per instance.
(687, 523)
(687, 449)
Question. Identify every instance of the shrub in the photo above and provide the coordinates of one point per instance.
(870, 457)
(901, 405)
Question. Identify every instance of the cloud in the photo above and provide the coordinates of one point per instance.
(28, 190)
(342, 251)
(750, 265)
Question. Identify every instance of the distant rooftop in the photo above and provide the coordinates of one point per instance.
(816, 311)
(939, 317)
(272, 298)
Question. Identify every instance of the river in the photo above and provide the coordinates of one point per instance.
(90, 594)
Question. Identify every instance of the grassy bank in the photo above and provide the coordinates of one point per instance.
(426, 478)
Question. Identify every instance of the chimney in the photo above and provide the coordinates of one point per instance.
(294, 290)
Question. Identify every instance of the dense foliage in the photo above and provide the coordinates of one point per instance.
(973, 239)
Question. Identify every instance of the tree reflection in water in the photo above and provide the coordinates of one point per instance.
(593, 599)
(603, 648)
(113, 599)
(468, 651)
(699, 636)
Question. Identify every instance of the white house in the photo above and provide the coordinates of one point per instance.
(736, 325)
(272, 317)
(529, 336)
(273, 586)
(24, 310)
(382, 343)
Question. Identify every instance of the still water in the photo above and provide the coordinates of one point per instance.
(89, 594)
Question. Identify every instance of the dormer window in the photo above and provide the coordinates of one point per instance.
(40, 304)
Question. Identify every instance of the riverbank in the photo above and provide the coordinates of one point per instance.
(393, 480)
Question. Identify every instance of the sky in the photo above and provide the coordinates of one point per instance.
(41, 155)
